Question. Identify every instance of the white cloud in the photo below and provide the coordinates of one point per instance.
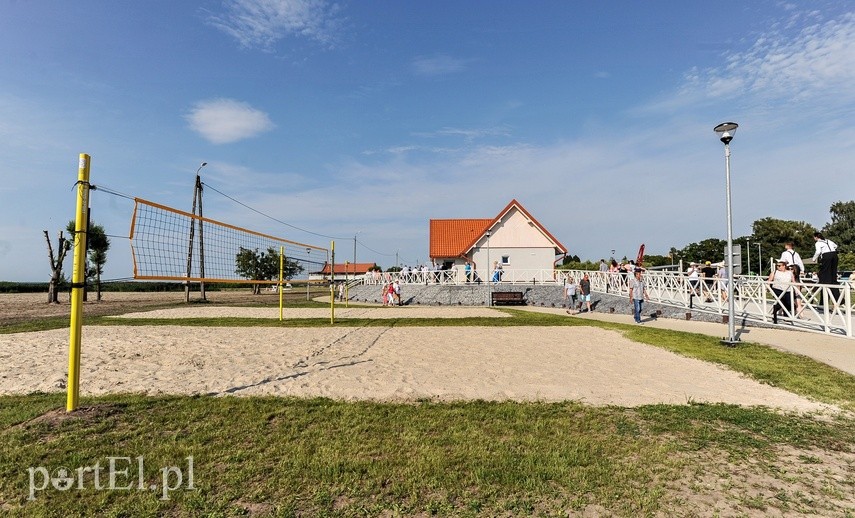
(222, 121)
(437, 65)
(813, 65)
(820, 58)
(262, 23)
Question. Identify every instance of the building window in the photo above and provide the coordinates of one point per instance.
(506, 259)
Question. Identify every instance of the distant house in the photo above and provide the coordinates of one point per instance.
(516, 240)
(343, 271)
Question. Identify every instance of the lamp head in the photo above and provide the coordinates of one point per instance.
(725, 131)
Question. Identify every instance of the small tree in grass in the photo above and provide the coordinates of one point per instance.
(263, 266)
(56, 260)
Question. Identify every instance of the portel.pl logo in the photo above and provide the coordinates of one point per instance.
(116, 475)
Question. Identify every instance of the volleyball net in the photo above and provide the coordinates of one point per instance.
(172, 245)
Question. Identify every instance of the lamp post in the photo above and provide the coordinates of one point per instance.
(748, 248)
(354, 256)
(308, 273)
(489, 278)
(759, 261)
(725, 132)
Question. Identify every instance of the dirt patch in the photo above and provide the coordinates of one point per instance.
(789, 481)
(86, 414)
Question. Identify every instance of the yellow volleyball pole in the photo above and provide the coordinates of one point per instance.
(281, 269)
(78, 281)
(332, 282)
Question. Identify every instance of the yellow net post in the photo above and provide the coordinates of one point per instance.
(281, 273)
(78, 281)
(332, 282)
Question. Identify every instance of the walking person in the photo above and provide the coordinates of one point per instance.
(468, 270)
(826, 257)
(390, 295)
(396, 289)
(794, 263)
(693, 275)
(637, 294)
(791, 257)
(570, 294)
(709, 272)
(497, 272)
(722, 282)
(585, 288)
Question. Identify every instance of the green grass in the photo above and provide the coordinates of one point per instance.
(319, 457)
(316, 457)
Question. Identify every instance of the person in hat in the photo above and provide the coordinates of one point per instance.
(782, 279)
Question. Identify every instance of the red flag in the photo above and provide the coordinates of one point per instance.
(639, 261)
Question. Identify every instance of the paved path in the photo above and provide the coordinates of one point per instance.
(839, 352)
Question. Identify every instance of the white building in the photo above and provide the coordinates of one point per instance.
(514, 238)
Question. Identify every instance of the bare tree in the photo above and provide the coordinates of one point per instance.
(56, 261)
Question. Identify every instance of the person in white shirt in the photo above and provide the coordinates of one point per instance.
(722, 281)
(692, 274)
(826, 257)
(570, 294)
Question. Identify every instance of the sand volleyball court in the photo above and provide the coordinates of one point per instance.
(586, 364)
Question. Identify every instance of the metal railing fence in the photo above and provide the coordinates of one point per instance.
(822, 308)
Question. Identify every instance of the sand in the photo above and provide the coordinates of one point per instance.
(589, 365)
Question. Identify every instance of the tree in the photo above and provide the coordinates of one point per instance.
(263, 266)
(841, 228)
(772, 233)
(97, 245)
(711, 249)
(651, 261)
(56, 261)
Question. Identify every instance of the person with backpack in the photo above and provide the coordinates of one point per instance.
(792, 258)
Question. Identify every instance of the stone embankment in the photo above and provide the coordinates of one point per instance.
(541, 295)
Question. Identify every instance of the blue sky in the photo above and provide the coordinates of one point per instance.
(374, 117)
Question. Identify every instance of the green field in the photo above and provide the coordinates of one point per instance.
(318, 457)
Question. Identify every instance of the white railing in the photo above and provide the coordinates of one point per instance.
(822, 308)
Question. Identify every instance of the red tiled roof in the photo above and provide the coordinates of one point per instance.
(455, 237)
(350, 268)
(449, 237)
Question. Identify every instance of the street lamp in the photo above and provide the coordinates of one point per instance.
(489, 279)
(759, 261)
(725, 132)
(748, 248)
